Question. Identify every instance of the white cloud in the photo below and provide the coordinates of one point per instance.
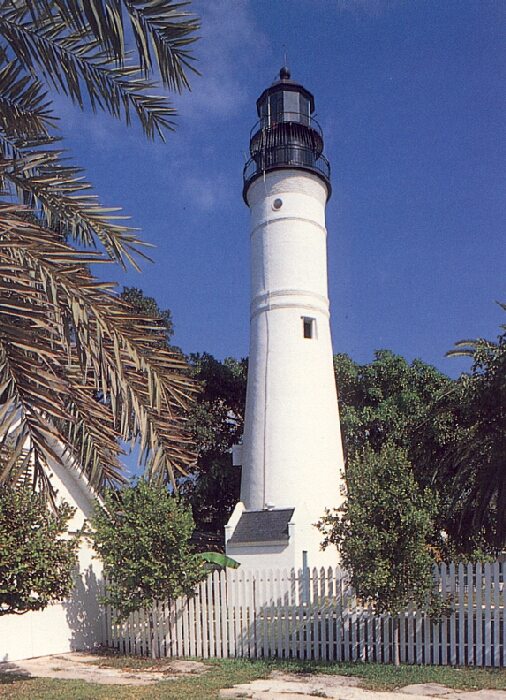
(205, 193)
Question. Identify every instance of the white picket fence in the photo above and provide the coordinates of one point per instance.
(316, 615)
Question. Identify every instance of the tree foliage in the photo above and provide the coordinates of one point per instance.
(477, 456)
(383, 530)
(37, 558)
(422, 411)
(142, 535)
(79, 366)
(390, 400)
(217, 421)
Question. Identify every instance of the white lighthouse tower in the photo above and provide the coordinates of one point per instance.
(291, 456)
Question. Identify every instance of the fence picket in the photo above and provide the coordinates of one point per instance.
(479, 614)
(241, 631)
(210, 616)
(462, 617)
(502, 604)
(403, 636)
(222, 576)
(418, 636)
(143, 633)
(192, 646)
(411, 640)
(322, 606)
(452, 588)
(154, 637)
(345, 623)
(253, 592)
(443, 625)
(471, 600)
(339, 617)
(496, 609)
(487, 576)
(353, 620)
(331, 593)
(314, 617)
(314, 614)
(133, 621)
(361, 622)
(237, 583)
(307, 614)
(300, 614)
(293, 608)
(276, 585)
(386, 637)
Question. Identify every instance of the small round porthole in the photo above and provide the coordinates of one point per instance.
(277, 204)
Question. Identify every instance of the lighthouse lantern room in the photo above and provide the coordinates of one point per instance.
(291, 455)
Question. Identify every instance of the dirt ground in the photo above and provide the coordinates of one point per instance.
(79, 665)
(282, 686)
(279, 686)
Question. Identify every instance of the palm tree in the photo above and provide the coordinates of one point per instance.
(78, 366)
(477, 455)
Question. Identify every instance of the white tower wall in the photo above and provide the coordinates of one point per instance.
(292, 454)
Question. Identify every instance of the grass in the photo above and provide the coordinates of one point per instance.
(388, 677)
(224, 673)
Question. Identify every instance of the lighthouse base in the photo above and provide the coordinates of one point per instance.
(281, 538)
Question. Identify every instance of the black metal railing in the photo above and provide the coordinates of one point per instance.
(286, 156)
(271, 121)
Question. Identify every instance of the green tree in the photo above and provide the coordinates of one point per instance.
(217, 421)
(142, 536)
(37, 559)
(383, 531)
(418, 409)
(477, 454)
(390, 400)
(78, 366)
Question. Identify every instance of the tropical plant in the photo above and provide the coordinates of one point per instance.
(216, 420)
(142, 534)
(383, 532)
(78, 366)
(477, 456)
(148, 306)
(37, 558)
(391, 400)
(418, 409)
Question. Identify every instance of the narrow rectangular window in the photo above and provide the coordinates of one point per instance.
(309, 327)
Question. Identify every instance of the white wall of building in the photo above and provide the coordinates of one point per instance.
(75, 624)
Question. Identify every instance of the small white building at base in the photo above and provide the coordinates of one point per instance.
(77, 623)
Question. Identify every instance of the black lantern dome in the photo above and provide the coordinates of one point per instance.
(286, 136)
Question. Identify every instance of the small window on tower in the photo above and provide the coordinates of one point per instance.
(309, 327)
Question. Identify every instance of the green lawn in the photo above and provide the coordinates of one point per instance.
(224, 673)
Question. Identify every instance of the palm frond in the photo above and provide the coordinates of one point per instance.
(171, 31)
(24, 110)
(464, 348)
(83, 53)
(79, 366)
(43, 180)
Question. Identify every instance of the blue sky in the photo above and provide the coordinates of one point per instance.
(411, 96)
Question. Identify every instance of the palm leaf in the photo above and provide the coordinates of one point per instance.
(77, 359)
(82, 52)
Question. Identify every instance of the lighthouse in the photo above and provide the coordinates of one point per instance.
(291, 454)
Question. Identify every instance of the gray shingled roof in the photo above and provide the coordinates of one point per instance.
(262, 526)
